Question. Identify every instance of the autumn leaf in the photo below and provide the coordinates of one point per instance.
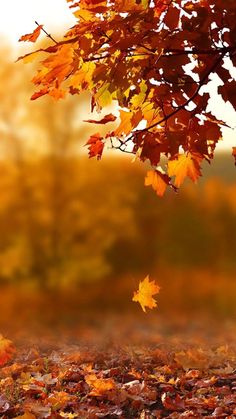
(144, 295)
(40, 93)
(125, 123)
(96, 145)
(185, 165)
(159, 181)
(6, 350)
(107, 118)
(32, 37)
(99, 385)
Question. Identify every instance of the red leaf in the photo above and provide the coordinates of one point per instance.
(96, 146)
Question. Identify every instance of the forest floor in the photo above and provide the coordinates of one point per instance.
(121, 365)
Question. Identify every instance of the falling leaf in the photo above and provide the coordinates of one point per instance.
(32, 37)
(144, 295)
(107, 118)
(7, 350)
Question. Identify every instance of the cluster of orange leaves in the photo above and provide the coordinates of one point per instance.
(136, 54)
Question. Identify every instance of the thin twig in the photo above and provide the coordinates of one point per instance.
(48, 35)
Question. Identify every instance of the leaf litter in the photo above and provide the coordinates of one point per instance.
(143, 374)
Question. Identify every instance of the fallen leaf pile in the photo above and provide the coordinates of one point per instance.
(120, 382)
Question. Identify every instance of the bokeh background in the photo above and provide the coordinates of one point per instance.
(77, 235)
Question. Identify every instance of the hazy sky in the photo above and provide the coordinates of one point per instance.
(17, 18)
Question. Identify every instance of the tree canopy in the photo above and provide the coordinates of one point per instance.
(153, 58)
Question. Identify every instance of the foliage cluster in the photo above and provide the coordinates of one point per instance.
(154, 59)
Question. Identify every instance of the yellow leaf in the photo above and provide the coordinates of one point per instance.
(83, 77)
(103, 96)
(144, 295)
(85, 15)
(138, 99)
(185, 165)
(125, 126)
(29, 58)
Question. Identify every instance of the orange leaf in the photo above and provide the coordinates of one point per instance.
(159, 181)
(32, 37)
(6, 350)
(144, 295)
(40, 93)
(185, 165)
(125, 123)
(96, 146)
(99, 385)
(107, 118)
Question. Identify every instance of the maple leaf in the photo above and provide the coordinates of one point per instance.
(144, 295)
(32, 37)
(159, 181)
(96, 146)
(99, 385)
(184, 165)
(107, 118)
(7, 350)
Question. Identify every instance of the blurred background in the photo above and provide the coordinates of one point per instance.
(77, 235)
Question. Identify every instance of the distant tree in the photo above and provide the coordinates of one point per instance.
(153, 58)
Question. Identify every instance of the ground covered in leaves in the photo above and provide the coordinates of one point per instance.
(126, 367)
